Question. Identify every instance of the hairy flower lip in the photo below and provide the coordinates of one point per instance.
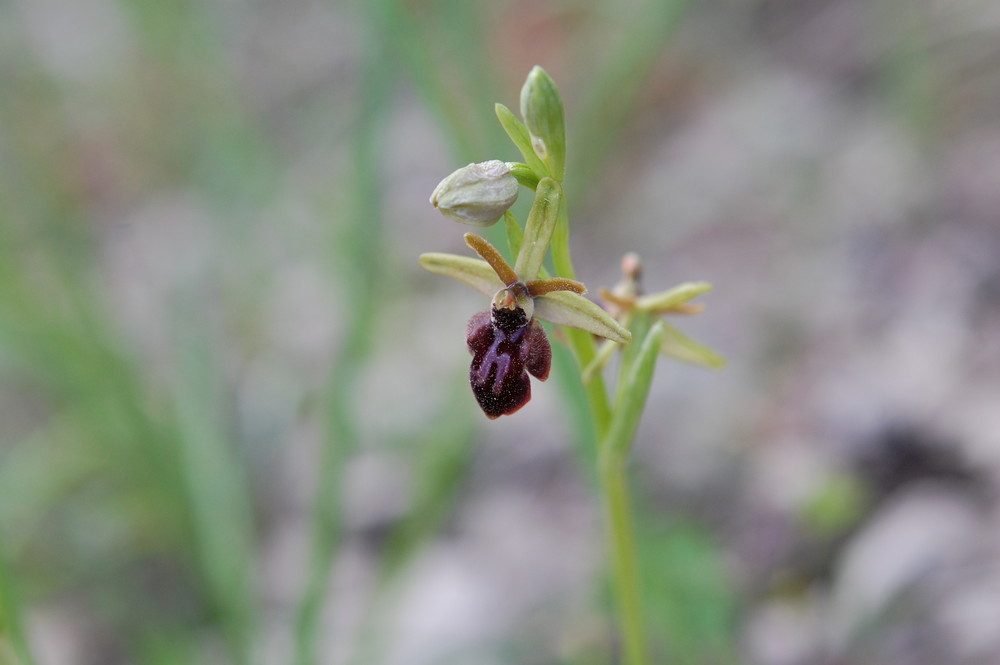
(502, 359)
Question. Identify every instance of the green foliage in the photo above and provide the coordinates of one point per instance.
(837, 504)
(690, 599)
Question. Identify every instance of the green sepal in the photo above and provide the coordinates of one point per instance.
(521, 138)
(678, 295)
(542, 110)
(566, 308)
(475, 272)
(678, 345)
(525, 175)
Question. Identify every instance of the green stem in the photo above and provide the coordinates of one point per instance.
(615, 431)
(12, 632)
(624, 562)
(361, 246)
(636, 377)
(582, 342)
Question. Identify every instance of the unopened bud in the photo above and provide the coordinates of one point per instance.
(542, 110)
(477, 194)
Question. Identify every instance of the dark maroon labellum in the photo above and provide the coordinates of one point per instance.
(503, 346)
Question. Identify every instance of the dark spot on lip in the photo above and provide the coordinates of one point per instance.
(509, 320)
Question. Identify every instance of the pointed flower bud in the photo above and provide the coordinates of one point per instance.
(542, 110)
(477, 194)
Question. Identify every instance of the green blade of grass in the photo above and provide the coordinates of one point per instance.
(446, 453)
(613, 90)
(67, 347)
(359, 256)
(215, 484)
(12, 630)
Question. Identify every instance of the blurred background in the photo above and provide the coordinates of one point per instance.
(235, 424)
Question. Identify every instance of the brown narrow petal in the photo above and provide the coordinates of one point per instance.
(491, 256)
(539, 287)
(625, 303)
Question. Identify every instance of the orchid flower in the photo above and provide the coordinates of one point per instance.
(506, 342)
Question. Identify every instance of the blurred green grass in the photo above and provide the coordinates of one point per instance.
(130, 491)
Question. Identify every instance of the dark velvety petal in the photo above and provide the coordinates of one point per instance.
(479, 331)
(538, 351)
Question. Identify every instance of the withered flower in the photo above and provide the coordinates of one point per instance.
(627, 302)
(506, 342)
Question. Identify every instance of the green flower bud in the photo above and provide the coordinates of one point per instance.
(542, 110)
(477, 194)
